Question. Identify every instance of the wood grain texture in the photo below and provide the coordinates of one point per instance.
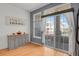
(31, 49)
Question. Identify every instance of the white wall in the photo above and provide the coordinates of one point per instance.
(9, 10)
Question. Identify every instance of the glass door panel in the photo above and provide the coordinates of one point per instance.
(62, 32)
(49, 31)
(64, 27)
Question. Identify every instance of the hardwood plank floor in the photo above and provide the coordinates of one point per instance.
(31, 49)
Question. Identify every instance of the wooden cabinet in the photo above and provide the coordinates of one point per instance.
(15, 41)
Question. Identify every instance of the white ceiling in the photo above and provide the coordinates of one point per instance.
(29, 6)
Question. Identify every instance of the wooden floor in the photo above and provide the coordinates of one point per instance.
(31, 49)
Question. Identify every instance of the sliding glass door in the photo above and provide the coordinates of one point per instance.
(58, 31)
(55, 31)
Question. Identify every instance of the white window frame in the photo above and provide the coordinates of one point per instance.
(34, 25)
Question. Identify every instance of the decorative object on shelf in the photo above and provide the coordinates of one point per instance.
(18, 33)
(10, 20)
